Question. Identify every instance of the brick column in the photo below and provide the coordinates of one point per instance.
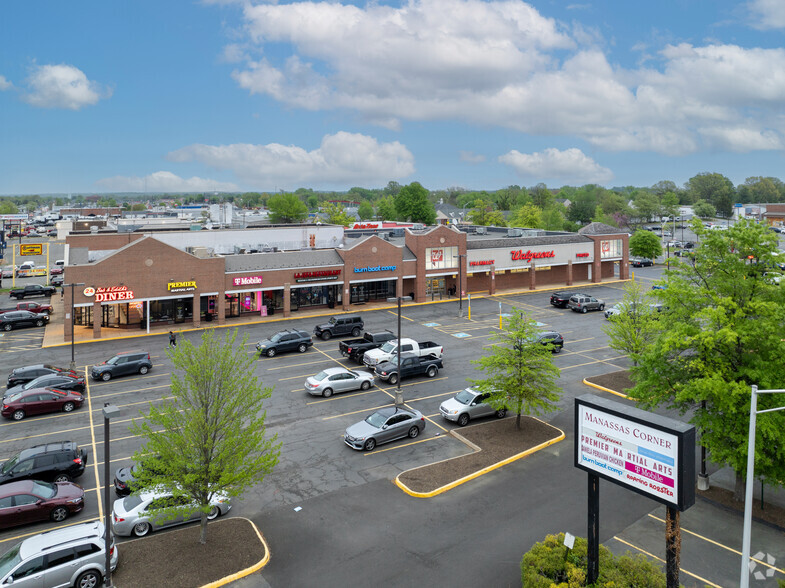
(532, 279)
(196, 311)
(569, 272)
(399, 287)
(97, 318)
(492, 289)
(596, 272)
(220, 302)
(287, 300)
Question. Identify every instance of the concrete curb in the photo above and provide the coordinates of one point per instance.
(585, 381)
(478, 473)
(249, 570)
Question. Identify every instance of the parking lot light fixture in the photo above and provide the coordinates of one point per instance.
(72, 366)
(398, 393)
(109, 410)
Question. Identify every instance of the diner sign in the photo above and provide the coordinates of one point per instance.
(110, 294)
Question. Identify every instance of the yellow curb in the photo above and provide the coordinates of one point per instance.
(247, 571)
(585, 381)
(481, 472)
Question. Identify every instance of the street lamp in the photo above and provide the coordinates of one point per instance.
(398, 393)
(110, 411)
(73, 323)
(745, 550)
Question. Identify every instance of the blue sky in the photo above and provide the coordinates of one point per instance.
(225, 95)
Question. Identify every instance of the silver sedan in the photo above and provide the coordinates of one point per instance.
(133, 514)
(337, 379)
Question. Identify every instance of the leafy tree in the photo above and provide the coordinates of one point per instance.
(527, 216)
(663, 187)
(758, 189)
(336, 214)
(553, 217)
(385, 208)
(412, 204)
(511, 198)
(392, 188)
(703, 209)
(715, 189)
(365, 210)
(646, 206)
(209, 439)
(645, 244)
(312, 202)
(633, 329)
(723, 334)
(286, 208)
(541, 196)
(582, 207)
(483, 214)
(8, 207)
(519, 370)
(138, 207)
(669, 205)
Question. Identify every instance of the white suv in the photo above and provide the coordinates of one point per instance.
(72, 556)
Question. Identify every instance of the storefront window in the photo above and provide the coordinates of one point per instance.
(367, 291)
(441, 258)
(171, 311)
(610, 248)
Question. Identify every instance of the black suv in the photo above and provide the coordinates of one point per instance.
(287, 340)
(552, 338)
(122, 364)
(560, 299)
(340, 325)
(22, 318)
(54, 462)
(31, 372)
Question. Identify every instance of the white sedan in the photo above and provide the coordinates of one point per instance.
(337, 379)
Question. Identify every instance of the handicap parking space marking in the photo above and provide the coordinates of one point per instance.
(461, 335)
(432, 325)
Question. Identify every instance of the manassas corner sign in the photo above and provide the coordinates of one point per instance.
(647, 453)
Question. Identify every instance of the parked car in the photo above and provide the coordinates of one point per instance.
(40, 401)
(339, 326)
(411, 365)
(133, 514)
(15, 319)
(8, 272)
(29, 501)
(772, 278)
(584, 303)
(560, 299)
(551, 338)
(677, 244)
(56, 270)
(389, 350)
(60, 461)
(31, 290)
(384, 425)
(61, 381)
(31, 306)
(287, 340)
(56, 281)
(354, 349)
(24, 374)
(622, 307)
(71, 556)
(469, 404)
(641, 262)
(337, 379)
(124, 477)
(689, 245)
(122, 364)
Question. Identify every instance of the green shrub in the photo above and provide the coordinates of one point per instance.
(550, 565)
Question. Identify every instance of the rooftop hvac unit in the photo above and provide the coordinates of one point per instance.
(397, 232)
(418, 226)
(201, 252)
(482, 230)
(515, 232)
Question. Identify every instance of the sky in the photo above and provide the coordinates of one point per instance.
(233, 95)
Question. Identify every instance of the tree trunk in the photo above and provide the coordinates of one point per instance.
(518, 422)
(740, 487)
(203, 530)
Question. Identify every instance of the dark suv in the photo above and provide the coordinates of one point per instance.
(287, 340)
(584, 303)
(31, 372)
(61, 461)
(560, 299)
(340, 325)
(122, 364)
(552, 338)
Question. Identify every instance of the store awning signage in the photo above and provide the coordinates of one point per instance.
(378, 268)
(528, 255)
(109, 294)
(181, 286)
(482, 262)
(317, 275)
(248, 281)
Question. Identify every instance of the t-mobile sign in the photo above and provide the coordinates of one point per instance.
(648, 453)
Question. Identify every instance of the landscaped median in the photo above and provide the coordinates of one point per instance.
(496, 444)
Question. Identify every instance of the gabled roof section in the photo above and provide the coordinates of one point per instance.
(599, 229)
(362, 240)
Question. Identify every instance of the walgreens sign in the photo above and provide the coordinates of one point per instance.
(528, 255)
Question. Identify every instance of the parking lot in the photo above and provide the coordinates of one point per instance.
(316, 467)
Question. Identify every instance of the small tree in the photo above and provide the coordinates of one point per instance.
(365, 210)
(527, 216)
(385, 208)
(645, 244)
(520, 370)
(287, 208)
(704, 209)
(209, 439)
(336, 214)
(636, 326)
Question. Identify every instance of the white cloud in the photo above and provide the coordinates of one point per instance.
(570, 165)
(471, 157)
(5, 84)
(501, 63)
(62, 86)
(342, 158)
(767, 14)
(163, 181)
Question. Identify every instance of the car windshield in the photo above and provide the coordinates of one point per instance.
(10, 559)
(275, 338)
(465, 396)
(320, 376)
(44, 489)
(113, 360)
(37, 383)
(7, 466)
(332, 320)
(389, 346)
(131, 502)
(377, 419)
(13, 398)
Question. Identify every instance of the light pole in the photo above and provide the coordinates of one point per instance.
(73, 323)
(398, 393)
(460, 284)
(109, 411)
(745, 550)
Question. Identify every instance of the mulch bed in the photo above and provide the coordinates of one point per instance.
(176, 559)
(498, 440)
(618, 381)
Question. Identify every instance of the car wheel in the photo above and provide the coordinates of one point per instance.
(214, 513)
(393, 378)
(556, 349)
(141, 529)
(500, 414)
(326, 335)
(68, 407)
(327, 392)
(144, 369)
(7, 327)
(59, 514)
(602, 307)
(90, 579)
(584, 310)
(365, 385)
(302, 348)
(463, 420)
(431, 372)
(106, 376)
(39, 323)
(369, 445)
(355, 332)
(413, 432)
(19, 415)
(62, 478)
(271, 352)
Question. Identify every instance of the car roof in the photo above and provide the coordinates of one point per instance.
(58, 537)
(388, 411)
(46, 448)
(335, 370)
(16, 487)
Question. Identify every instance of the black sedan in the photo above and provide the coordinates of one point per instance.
(641, 262)
(22, 318)
(124, 477)
(24, 374)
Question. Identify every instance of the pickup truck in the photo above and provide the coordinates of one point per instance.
(31, 306)
(389, 350)
(32, 290)
(354, 349)
(411, 365)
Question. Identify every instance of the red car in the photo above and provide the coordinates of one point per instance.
(56, 270)
(29, 501)
(40, 401)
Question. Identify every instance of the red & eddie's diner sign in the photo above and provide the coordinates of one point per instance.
(529, 255)
(109, 294)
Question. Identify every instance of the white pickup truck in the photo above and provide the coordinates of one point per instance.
(389, 350)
